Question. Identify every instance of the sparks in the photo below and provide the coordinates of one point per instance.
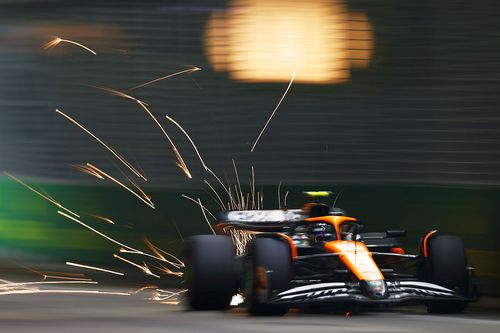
(165, 296)
(141, 289)
(21, 284)
(190, 140)
(94, 268)
(159, 252)
(87, 170)
(60, 276)
(46, 197)
(111, 150)
(137, 252)
(144, 268)
(252, 188)
(240, 238)
(57, 40)
(337, 197)
(279, 195)
(45, 276)
(124, 248)
(178, 231)
(167, 271)
(145, 199)
(59, 291)
(241, 198)
(237, 300)
(117, 93)
(205, 216)
(223, 186)
(138, 188)
(96, 231)
(180, 161)
(275, 109)
(198, 202)
(188, 71)
(102, 218)
(216, 194)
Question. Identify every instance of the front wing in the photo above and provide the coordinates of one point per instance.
(399, 292)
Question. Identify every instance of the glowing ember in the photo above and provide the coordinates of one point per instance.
(111, 150)
(275, 109)
(94, 268)
(46, 197)
(57, 40)
(187, 71)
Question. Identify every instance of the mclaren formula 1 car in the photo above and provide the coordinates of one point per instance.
(316, 256)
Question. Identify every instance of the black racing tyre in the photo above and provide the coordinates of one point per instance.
(447, 267)
(210, 275)
(267, 273)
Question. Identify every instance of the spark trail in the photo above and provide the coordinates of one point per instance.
(145, 199)
(190, 140)
(279, 195)
(205, 216)
(159, 252)
(187, 71)
(94, 268)
(87, 170)
(102, 218)
(198, 202)
(46, 197)
(59, 291)
(275, 109)
(57, 40)
(221, 203)
(202, 161)
(22, 284)
(124, 248)
(117, 93)
(238, 190)
(180, 161)
(111, 150)
(142, 267)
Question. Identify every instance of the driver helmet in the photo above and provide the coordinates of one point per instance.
(322, 232)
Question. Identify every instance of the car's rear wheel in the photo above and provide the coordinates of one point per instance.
(210, 276)
(447, 267)
(267, 272)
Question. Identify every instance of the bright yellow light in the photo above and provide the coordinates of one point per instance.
(265, 40)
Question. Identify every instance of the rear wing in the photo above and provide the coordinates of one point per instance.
(260, 220)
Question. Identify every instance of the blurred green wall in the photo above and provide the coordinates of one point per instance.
(31, 228)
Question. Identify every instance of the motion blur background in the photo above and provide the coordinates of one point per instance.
(395, 103)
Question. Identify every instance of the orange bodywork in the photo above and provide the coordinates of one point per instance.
(426, 239)
(357, 258)
(397, 250)
(293, 247)
(355, 255)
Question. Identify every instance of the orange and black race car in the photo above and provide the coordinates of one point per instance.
(317, 256)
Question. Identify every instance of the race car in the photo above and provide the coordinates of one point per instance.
(317, 256)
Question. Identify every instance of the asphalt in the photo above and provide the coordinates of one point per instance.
(124, 314)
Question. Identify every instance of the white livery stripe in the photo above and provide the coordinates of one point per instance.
(423, 285)
(313, 287)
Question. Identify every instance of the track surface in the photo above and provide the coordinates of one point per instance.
(100, 313)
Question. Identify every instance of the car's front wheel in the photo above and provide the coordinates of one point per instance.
(446, 265)
(267, 272)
